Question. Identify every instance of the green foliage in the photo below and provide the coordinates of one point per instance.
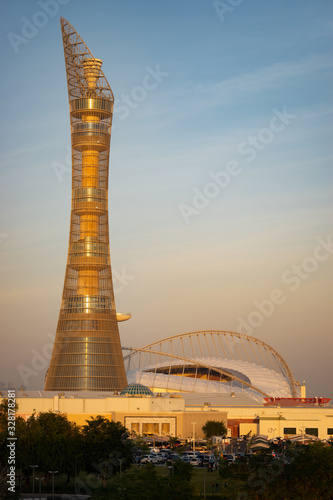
(140, 445)
(224, 468)
(299, 472)
(4, 414)
(178, 489)
(99, 447)
(182, 469)
(145, 483)
(308, 475)
(106, 446)
(173, 440)
(214, 428)
(48, 440)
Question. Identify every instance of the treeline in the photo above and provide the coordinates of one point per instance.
(53, 443)
(100, 449)
(295, 472)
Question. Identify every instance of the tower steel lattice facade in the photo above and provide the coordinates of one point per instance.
(87, 353)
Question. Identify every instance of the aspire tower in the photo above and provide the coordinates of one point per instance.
(87, 354)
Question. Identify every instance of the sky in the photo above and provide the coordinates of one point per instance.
(220, 194)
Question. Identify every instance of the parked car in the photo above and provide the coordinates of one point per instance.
(144, 459)
(195, 461)
(164, 456)
(205, 460)
(153, 459)
(230, 458)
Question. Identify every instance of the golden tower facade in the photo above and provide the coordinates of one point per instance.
(87, 353)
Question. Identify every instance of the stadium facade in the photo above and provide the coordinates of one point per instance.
(218, 362)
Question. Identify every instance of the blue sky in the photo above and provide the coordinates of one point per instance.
(187, 253)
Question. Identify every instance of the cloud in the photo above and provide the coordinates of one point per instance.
(265, 78)
(275, 75)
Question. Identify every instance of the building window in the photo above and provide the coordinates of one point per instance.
(135, 427)
(289, 430)
(330, 431)
(152, 425)
(313, 431)
(165, 429)
(150, 428)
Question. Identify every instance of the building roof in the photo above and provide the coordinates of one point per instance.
(136, 390)
(210, 400)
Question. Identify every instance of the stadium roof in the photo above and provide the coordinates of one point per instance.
(212, 361)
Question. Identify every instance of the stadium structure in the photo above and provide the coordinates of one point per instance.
(172, 386)
(212, 362)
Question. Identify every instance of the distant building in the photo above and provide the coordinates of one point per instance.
(175, 414)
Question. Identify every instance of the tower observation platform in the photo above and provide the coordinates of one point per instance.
(87, 353)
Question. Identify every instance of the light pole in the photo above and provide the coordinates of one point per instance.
(302, 431)
(40, 479)
(53, 472)
(204, 481)
(75, 474)
(120, 460)
(33, 477)
(20, 479)
(194, 424)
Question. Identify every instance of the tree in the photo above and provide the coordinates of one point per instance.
(302, 471)
(106, 446)
(140, 446)
(173, 442)
(308, 474)
(4, 414)
(49, 441)
(179, 481)
(214, 428)
(46, 439)
(145, 483)
(182, 469)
